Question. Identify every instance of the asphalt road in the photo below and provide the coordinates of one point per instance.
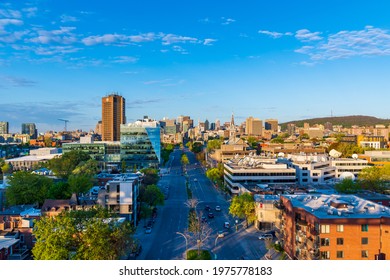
(165, 244)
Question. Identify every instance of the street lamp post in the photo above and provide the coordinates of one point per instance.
(186, 241)
(236, 225)
(215, 245)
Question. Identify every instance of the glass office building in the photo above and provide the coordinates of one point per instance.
(141, 144)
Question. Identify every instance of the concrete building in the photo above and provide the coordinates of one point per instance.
(35, 158)
(348, 165)
(120, 196)
(268, 212)
(368, 141)
(113, 115)
(377, 158)
(271, 124)
(334, 227)
(4, 127)
(244, 174)
(30, 129)
(253, 127)
(141, 143)
(311, 170)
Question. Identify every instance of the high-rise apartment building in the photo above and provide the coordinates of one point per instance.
(113, 115)
(253, 127)
(271, 124)
(4, 128)
(30, 129)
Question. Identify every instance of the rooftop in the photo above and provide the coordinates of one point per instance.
(338, 206)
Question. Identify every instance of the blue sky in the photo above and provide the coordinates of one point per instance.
(268, 59)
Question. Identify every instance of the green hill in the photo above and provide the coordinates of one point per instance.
(346, 121)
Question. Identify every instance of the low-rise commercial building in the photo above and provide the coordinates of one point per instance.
(242, 173)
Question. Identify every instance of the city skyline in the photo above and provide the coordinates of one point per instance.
(279, 60)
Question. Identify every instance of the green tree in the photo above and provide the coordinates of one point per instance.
(373, 178)
(59, 190)
(79, 184)
(6, 168)
(27, 188)
(89, 167)
(214, 144)
(347, 186)
(197, 147)
(243, 206)
(253, 142)
(150, 176)
(82, 235)
(184, 160)
(152, 196)
(64, 166)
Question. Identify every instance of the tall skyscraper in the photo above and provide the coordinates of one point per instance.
(113, 115)
(30, 129)
(253, 127)
(271, 124)
(4, 128)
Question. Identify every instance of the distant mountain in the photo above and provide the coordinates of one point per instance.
(346, 121)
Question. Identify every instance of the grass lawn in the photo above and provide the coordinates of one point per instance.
(193, 255)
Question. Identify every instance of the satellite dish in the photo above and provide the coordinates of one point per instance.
(355, 156)
(335, 154)
(281, 154)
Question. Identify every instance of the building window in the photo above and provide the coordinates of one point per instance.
(364, 240)
(365, 254)
(325, 228)
(325, 255)
(340, 254)
(340, 241)
(324, 241)
(340, 228)
(365, 227)
(117, 188)
(118, 197)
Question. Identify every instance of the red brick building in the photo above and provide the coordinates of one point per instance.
(334, 227)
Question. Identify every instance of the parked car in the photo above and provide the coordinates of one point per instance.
(226, 225)
(218, 208)
(210, 215)
(148, 230)
(266, 236)
(221, 233)
(207, 208)
(195, 180)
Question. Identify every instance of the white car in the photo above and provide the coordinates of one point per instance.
(218, 208)
(266, 237)
(221, 234)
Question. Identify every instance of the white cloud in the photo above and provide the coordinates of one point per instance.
(146, 37)
(305, 35)
(209, 42)
(13, 37)
(55, 50)
(370, 41)
(274, 34)
(179, 49)
(169, 39)
(7, 13)
(103, 39)
(124, 59)
(67, 18)
(30, 12)
(227, 21)
(64, 35)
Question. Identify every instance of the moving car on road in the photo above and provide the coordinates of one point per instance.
(226, 225)
(266, 236)
(218, 208)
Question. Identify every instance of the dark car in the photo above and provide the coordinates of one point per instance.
(207, 208)
(210, 215)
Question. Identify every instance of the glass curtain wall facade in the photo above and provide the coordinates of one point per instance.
(141, 144)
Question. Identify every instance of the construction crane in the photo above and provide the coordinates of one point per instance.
(66, 123)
